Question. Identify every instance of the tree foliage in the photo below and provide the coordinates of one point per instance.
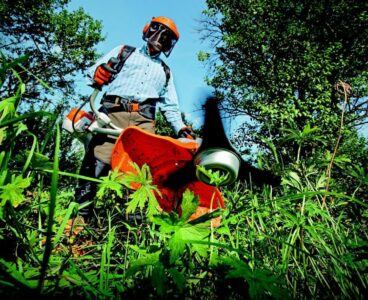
(278, 61)
(56, 45)
(59, 42)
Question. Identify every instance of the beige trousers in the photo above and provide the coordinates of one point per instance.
(123, 119)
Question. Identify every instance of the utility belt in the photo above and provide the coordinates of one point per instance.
(146, 108)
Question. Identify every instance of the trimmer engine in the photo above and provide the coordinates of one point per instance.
(77, 122)
(81, 120)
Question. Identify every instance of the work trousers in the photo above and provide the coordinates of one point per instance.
(96, 162)
(122, 119)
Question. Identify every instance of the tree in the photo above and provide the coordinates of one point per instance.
(60, 44)
(277, 62)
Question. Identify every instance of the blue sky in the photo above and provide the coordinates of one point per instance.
(123, 21)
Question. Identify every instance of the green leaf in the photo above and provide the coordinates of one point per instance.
(13, 191)
(11, 269)
(145, 194)
(158, 279)
(111, 182)
(203, 56)
(185, 233)
(153, 206)
(140, 176)
(167, 221)
(176, 245)
(261, 282)
(138, 199)
(7, 108)
(37, 160)
(145, 259)
(178, 279)
(216, 178)
(189, 205)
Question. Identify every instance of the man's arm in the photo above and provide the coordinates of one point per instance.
(169, 106)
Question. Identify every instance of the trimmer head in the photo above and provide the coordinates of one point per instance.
(221, 160)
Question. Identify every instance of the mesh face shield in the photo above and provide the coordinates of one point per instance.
(160, 38)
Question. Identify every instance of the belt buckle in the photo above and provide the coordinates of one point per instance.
(133, 107)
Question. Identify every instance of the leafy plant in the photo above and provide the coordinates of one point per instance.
(145, 194)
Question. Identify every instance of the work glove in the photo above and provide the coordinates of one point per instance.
(104, 74)
(187, 132)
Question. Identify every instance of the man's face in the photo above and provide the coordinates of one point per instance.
(152, 50)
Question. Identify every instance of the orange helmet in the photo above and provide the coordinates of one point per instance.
(161, 33)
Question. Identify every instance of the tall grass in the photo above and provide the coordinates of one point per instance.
(272, 242)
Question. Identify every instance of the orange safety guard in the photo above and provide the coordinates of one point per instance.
(164, 156)
(80, 115)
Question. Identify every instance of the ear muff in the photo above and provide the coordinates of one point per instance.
(145, 29)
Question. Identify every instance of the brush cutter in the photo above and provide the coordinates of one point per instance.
(217, 157)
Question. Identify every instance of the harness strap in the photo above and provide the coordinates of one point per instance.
(146, 109)
(167, 72)
(124, 54)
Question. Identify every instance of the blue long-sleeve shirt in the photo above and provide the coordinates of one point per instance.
(142, 77)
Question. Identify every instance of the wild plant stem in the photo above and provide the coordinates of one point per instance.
(298, 154)
(346, 91)
(52, 205)
(211, 239)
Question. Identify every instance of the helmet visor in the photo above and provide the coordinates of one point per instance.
(161, 38)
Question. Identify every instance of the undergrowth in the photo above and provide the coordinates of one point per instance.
(272, 243)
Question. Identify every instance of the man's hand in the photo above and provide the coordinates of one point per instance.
(187, 132)
(103, 75)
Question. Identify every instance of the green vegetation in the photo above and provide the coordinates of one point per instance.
(278, 63)
(306, 238)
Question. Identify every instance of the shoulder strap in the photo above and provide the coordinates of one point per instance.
(125, 52)
(167, 72)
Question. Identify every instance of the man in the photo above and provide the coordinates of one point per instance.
(143, 83)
